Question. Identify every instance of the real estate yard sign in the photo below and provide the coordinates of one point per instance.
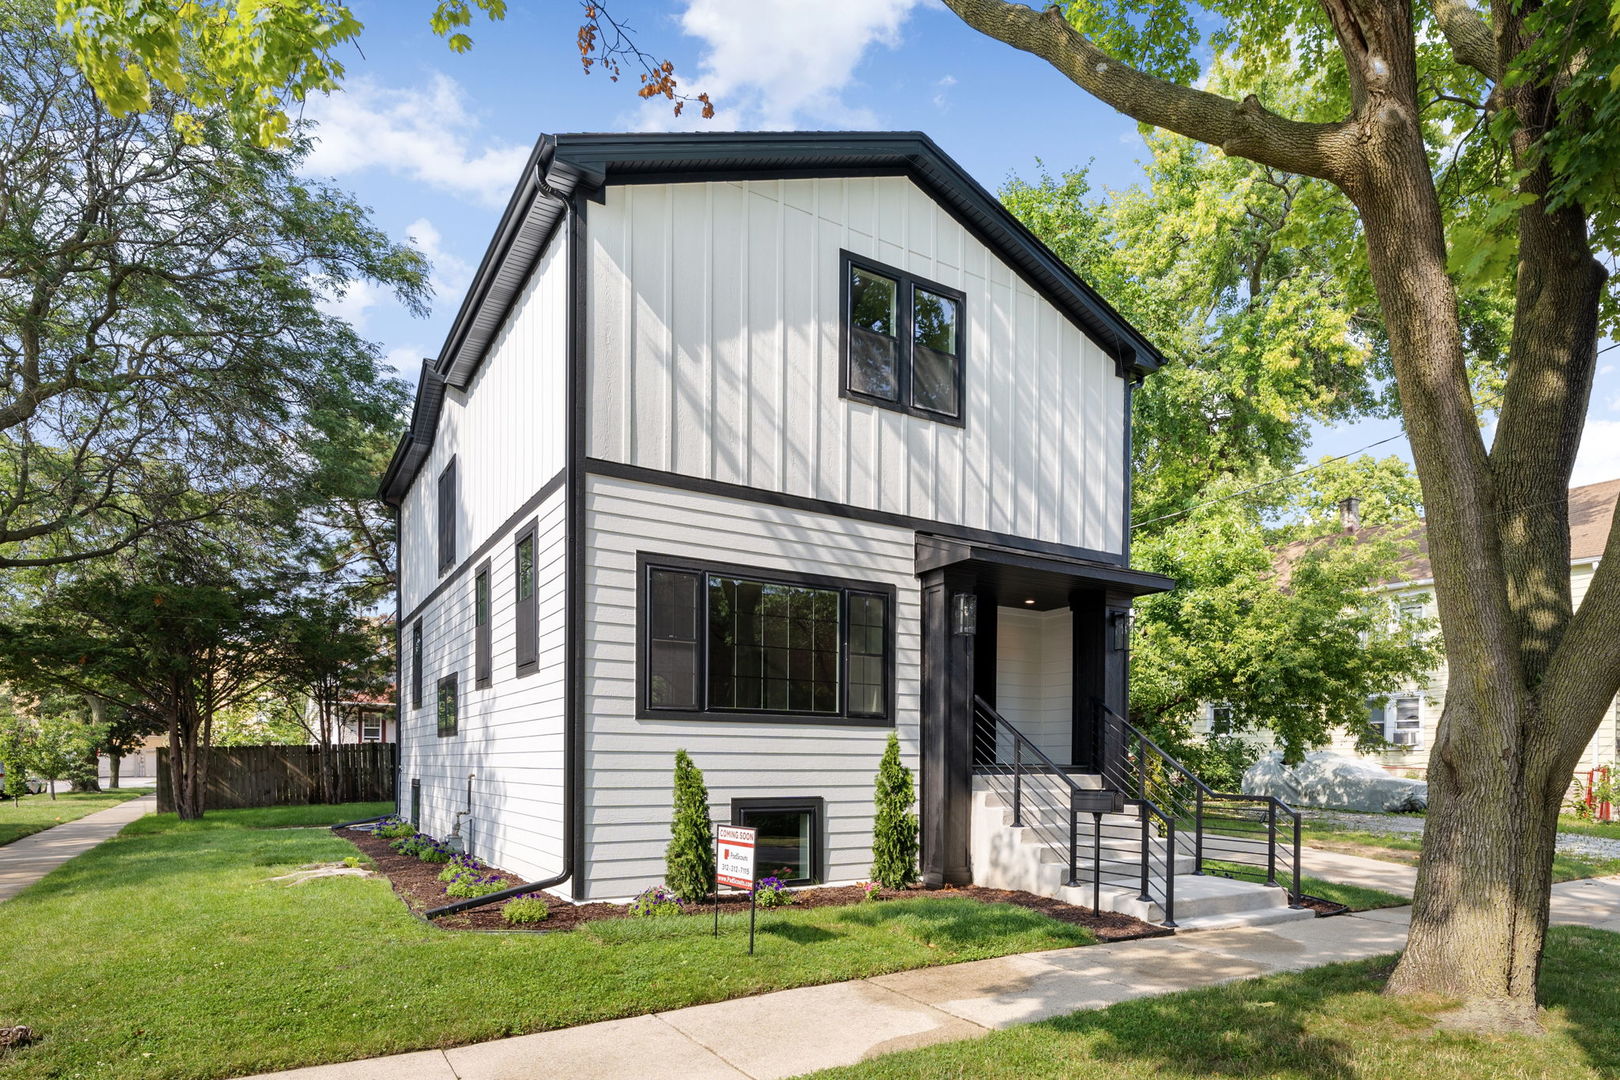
(734, 866)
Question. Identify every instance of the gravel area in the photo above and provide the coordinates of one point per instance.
(1412, 825)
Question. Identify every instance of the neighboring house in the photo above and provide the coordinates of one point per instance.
(140, 763)
(762, 446)
(369, 718)
(1409, 717)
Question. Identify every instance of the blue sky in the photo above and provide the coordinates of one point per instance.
(434, 141)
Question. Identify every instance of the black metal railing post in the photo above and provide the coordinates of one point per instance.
(1141, 808)
(1018, 784)
(1293, 900)
(1198, 829)
(1074, 837)
(1170, 873)
(1271, 842)
(1141, 766)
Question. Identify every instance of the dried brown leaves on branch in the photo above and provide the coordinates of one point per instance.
(607, 43)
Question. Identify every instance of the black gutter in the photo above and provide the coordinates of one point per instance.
(360, 821)
(573, 587)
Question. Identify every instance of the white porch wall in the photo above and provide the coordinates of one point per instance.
(1035, 676)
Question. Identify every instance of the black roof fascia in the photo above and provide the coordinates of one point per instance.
(615, 156)
(414, 445)
(934, 552)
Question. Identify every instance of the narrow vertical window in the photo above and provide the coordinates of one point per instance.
(416, 665)
(868, 655)
(447, 517)
(672, 646)
(484, 667)
(526, 608)
(936, 354)
(447, 705)
(874, 343)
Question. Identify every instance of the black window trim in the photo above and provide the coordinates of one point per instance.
(418, 654)
(526, 665)
(446, 524)
(647, 561)
(454, 678)
(905, 283)
(484, 632)
(816, 805)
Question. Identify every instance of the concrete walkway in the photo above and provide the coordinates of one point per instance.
(796, 1031)
(1392, 877)
(25, 861)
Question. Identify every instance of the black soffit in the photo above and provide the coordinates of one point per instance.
(562, 165)
(1015, 577)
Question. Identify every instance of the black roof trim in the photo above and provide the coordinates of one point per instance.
(414, 445)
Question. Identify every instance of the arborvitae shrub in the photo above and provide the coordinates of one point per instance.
(689, 860)
(894, 828)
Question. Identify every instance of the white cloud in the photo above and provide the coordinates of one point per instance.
(406, 359)
(355, 304)
(781, 64)
(942, 97)
(451, 272)
(1599, 456)
(421, 132)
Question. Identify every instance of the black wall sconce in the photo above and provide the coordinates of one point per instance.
(964, 614)
(1122, 623)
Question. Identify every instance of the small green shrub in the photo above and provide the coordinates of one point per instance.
(771, 892)
(654, 902)
(461, 866)
(434, 851)
(870, 890)
(393, 828)
(353, 862)
(689, 859)
(469, 886)
(524, 909)
(894, 828)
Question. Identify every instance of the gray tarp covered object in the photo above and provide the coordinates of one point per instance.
(1328, 779)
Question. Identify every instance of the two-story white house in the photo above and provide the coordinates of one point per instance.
(762, 446)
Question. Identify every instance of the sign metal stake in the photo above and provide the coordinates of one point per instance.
(717, 888)
(752, 895)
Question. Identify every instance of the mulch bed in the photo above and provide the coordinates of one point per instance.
(1323, 908)
(418, 885)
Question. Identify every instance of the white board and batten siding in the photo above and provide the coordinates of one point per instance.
(507, 433)
(629, 761)
(714, 353)
(1035, 678)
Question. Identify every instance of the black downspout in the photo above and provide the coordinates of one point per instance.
(573, 586)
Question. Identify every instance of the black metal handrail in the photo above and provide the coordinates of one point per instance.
(1068, 804)
(1175, 791)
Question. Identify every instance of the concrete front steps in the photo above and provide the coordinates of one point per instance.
(1033, 858)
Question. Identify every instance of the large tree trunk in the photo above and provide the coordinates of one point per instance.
(1529, 678)
(113, 761)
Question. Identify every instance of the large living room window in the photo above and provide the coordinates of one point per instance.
(736, 642)
(902, 341)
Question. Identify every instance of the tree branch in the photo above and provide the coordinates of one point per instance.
(1240, 128)
(1469, 36)
(1590, 644)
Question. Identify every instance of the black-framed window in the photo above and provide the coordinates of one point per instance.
(526, 606)
(447, 518)
(447, 705)
(904, 340)
(484, 665)
(416, 664)
(789, 843)
(416, 801)
(727, 641)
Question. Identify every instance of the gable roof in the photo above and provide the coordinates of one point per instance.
(1591, 512)
(561, 166)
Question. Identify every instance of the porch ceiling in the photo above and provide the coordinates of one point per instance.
(1037, 581)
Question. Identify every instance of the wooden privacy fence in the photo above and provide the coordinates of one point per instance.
(242, 776)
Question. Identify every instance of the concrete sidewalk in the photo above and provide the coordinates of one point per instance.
(25, 861)
(1358, 870)
(796, 1031)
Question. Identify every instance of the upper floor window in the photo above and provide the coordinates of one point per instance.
(483, 666)
(526, 606)
(447, 517)
(416, 664)
(903, 341)
(449, 713)
(718, 640)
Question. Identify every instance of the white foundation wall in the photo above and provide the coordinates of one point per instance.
(714, 352)
(1035, 677)
(509, 735)
(506, 431)
(629, 760)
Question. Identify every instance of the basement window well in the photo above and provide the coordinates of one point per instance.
(789, 844)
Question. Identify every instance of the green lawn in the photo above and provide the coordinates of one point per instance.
(35, 813)
(165, 953)
(1325, 1024)
(1354, 897)
(1609, 830)
(1404, 849)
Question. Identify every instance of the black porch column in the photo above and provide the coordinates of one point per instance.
(1101, 672)
(947, 731)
